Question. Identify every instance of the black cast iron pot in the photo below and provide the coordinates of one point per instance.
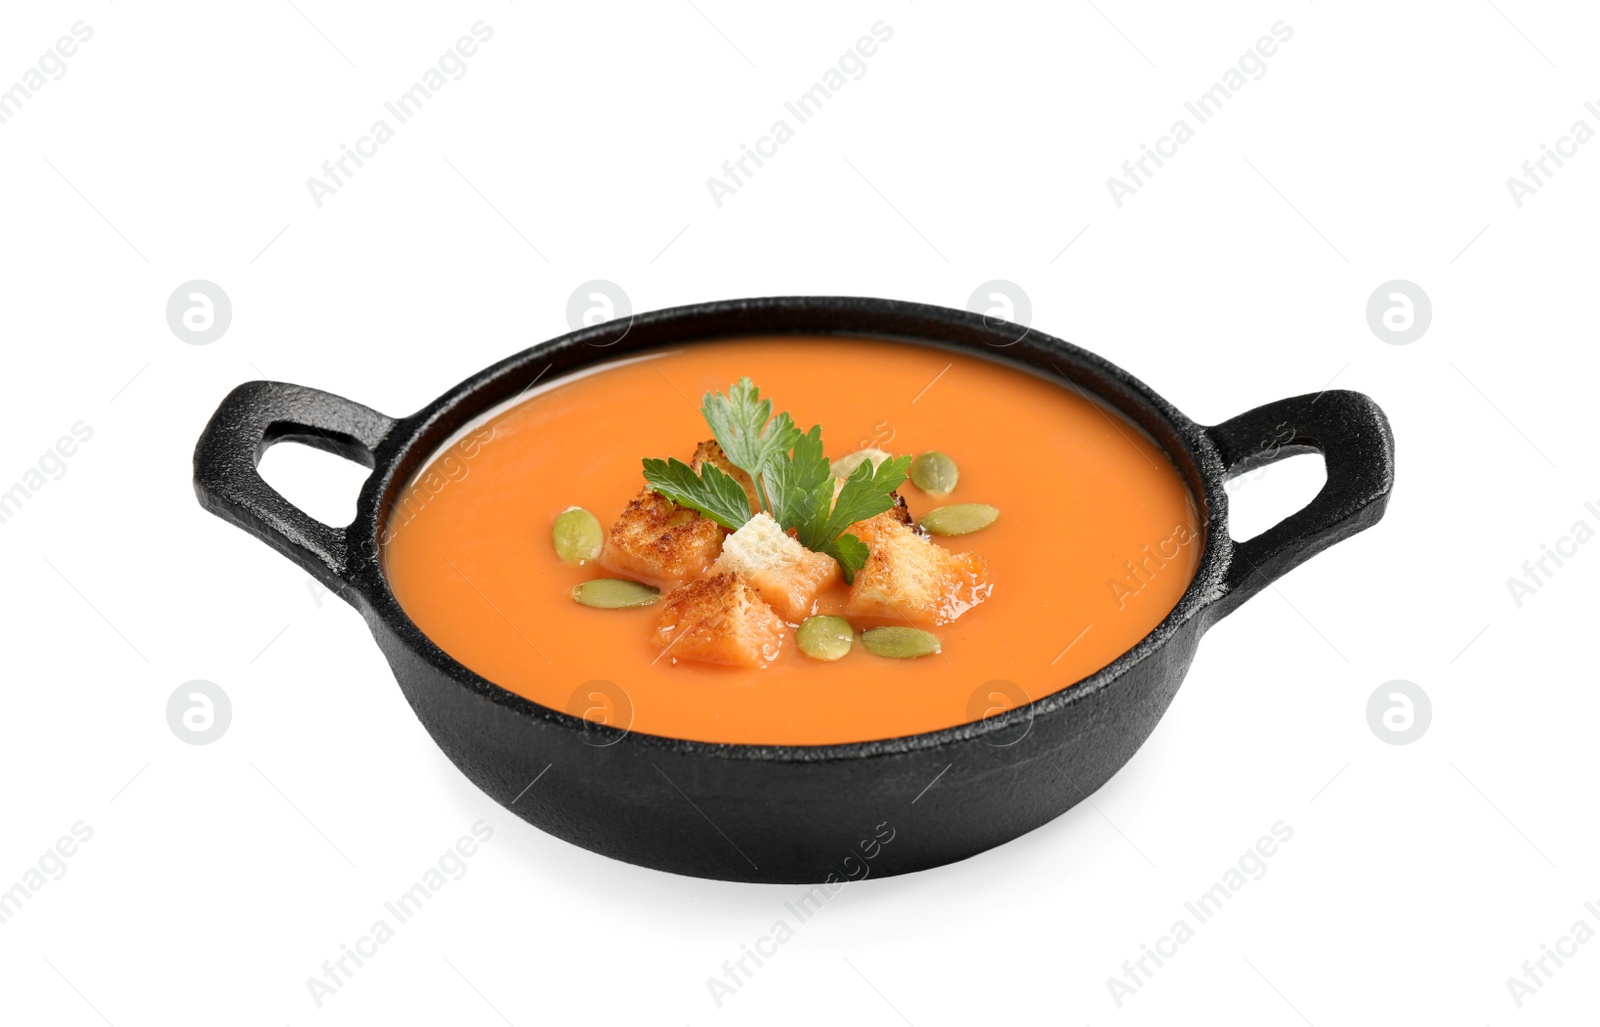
(794, 813)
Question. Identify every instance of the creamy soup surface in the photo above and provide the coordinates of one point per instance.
(1098, 537)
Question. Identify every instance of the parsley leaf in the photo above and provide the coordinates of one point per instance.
(712, 492)
(793, 482)
(866, 493)
(793, 478)
(739, 421)
(851, 553)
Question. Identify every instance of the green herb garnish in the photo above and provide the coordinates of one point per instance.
(712, 492)
(792, 476)
(739, 421)
(866, 493)
(799, 483)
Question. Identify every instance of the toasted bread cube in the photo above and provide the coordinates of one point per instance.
(899, 512)
(709, 452)
(660, 542)
(786, 574)
(909, 577)
(719, 619)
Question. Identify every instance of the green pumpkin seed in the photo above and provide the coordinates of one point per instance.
(825, 638)
(960, 519)
(935, 473)
(900, 643)
(576, 534)
(846, 465)
(614, 594)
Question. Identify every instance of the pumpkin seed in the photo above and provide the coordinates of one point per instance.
(576, 534)
(846, 465)
(614, 594)
(825, 638)
(960, 519)
(935, 473)
(900, 643)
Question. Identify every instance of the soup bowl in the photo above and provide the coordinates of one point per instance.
(793, 813)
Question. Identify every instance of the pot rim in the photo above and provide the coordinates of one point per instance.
(416, 439)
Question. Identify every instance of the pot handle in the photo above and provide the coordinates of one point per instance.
(1353, 436)
(249, 421)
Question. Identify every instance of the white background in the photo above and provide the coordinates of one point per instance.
(1377, 146)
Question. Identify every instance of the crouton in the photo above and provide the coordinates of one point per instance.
(786, 574)
(658, 541)
(899, 512)
(719, 619)
(709, 452)
(908, 577)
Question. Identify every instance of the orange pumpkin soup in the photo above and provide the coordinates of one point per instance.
(1096, 539)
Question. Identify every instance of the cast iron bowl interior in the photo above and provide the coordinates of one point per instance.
(794, 813)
